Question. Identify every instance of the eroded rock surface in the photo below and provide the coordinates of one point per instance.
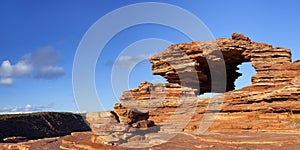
(193, 64)
(118, 126)
(213, 141)
(270, 104)
(161, 100)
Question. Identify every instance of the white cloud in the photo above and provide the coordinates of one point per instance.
(6, 69)
(24, 109)
(19, 69)
(41, 64)
(22, 68)
(6, 81)
(28, 107)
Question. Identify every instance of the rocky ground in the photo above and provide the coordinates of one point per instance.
(182, 141)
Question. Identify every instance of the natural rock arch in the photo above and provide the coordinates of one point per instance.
(268, 104)
(266, 60)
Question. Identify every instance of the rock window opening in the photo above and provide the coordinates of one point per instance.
(247, 71)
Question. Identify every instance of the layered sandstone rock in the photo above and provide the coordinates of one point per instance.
(161, 100)
(116, 127)
(270, 103)
(257, 109)
(129, 115)
(200, 64)
(274, 89)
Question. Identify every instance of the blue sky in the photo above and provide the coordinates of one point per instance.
(39, 41)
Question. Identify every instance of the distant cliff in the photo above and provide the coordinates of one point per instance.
(41, 125)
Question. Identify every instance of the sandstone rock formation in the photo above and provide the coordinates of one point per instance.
(274, 92)
(207, 58)
(118, 126)
(270, 103)
(161, 100)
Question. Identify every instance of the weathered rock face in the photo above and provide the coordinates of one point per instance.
(257, 109)
(129, 116)
(116, 127)
(270, 103)
(161, 100)
(193, 64)
(274, 92)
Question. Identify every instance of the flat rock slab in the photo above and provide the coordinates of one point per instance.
(213, 141)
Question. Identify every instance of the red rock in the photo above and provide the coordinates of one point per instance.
(143, 124)
(271, 103)
(101, 117)
(275, 87)
(176, 62)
